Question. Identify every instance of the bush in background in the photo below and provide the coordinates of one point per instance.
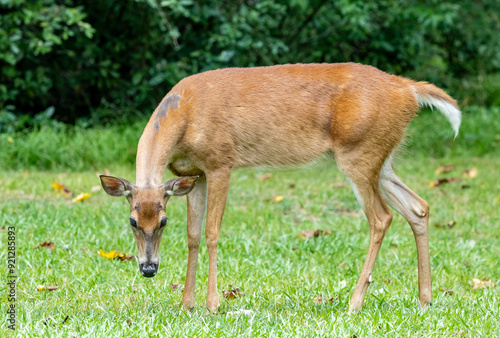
(93, 62)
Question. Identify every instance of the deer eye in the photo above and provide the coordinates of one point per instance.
(133, 222)
(163, 222)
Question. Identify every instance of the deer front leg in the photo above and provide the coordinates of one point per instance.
(196, 206)
(218, 187)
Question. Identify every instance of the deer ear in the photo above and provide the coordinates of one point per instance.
(115, 186)
(180, 186)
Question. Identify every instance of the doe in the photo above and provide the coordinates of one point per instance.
(285, 115)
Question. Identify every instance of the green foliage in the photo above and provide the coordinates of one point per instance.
(108, 61)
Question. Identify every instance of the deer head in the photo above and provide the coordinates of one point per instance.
(147, 213)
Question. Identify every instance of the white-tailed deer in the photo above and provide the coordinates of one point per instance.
(214, 122)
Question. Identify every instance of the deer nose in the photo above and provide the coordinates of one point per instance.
(148, 269)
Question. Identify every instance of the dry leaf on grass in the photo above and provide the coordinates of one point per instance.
(83, 196)
(43, 288)
(445, 169)
(305, 234)
(470, 173)
(48, 245)
(265, 177)
(450, 224)
(62, 189)
(95, 188)
(443, 181)
(318, 299)
(116, 255)
(482, 284)
(232, 294)
(175, 286)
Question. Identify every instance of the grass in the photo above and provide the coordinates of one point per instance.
(260, 251)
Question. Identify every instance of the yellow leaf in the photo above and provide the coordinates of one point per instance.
(57, 186)
(471, 173)
(81, 197)
(278, 199)
(40, 288)
(110, 255)
(432, 184)
(10, 139)
(62, 189)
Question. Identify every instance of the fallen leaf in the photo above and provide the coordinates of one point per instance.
(470, 173)
(125, 257)
(305, 234)
(482, 284)
(62, 189)
(265, 177)
(128, 321)
(81, 197)
(49, 245)
(339, 185)
(465, 186)
(175, 286)
(113, 254)
(110, 255)
(232, 294)
(43, 288)
(95, 188)
(443, 181)
(450, 225)
(318, 299)
(449, 292)
(291, 185)
(342, 265)
(278, 199)
(445, 169)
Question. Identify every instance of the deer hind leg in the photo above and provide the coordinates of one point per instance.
(416, 211)
(363, 177)
(196, 206)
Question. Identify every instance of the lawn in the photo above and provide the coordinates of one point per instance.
(280, 274)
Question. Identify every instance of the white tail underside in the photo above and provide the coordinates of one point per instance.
(452, 114)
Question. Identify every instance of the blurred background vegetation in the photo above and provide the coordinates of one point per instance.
(73, 64)
(92, 62)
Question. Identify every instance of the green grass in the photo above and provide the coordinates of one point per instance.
(260, 250)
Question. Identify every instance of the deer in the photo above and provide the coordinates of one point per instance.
(278, 116)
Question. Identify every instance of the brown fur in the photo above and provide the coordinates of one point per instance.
(284, 116)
